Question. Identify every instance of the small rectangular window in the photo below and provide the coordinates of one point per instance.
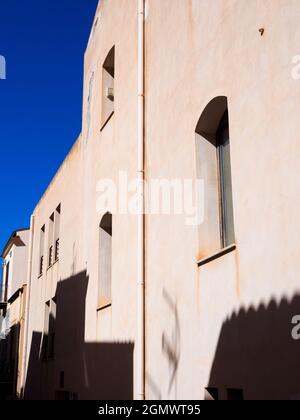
(41, 264)
(108, 87)
(50, 240)
(57, 233)
(50, 256)
(56, 249)
(42, 244)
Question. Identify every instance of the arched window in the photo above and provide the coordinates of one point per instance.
(214, 168)
(105, 261)
(108, 87)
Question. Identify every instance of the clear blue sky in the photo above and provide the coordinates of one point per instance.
(43, 42)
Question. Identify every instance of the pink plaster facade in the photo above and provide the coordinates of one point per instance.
(208, 325)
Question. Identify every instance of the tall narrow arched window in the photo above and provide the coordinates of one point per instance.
(108, 87)
(105, 261)
(214, 168)
(224, 163)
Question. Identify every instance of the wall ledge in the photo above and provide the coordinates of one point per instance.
(216, 255)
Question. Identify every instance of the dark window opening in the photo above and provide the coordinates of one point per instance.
(50, 256)
(50, 240)
(57, 233)
(56, 249)
(42, 243)
(41, 265)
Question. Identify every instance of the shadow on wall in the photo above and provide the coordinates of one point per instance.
(171, 345)
(9, 363)
(171, 352)
(63, 366)
(256, 356)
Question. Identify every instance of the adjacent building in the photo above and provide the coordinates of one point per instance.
(219, 104)
(12, 311)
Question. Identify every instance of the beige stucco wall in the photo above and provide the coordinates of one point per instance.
(106, 153)
(195, 50)
(66, 190)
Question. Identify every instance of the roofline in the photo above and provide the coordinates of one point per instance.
(99, 6)
(58, 171)
(11, 240)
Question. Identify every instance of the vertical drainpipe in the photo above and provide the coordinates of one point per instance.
(26, 321)
(141, 218)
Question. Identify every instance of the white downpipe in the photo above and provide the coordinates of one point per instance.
(141, 219)
(26, 321)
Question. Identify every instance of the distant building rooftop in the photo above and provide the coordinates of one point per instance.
(13, 240)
